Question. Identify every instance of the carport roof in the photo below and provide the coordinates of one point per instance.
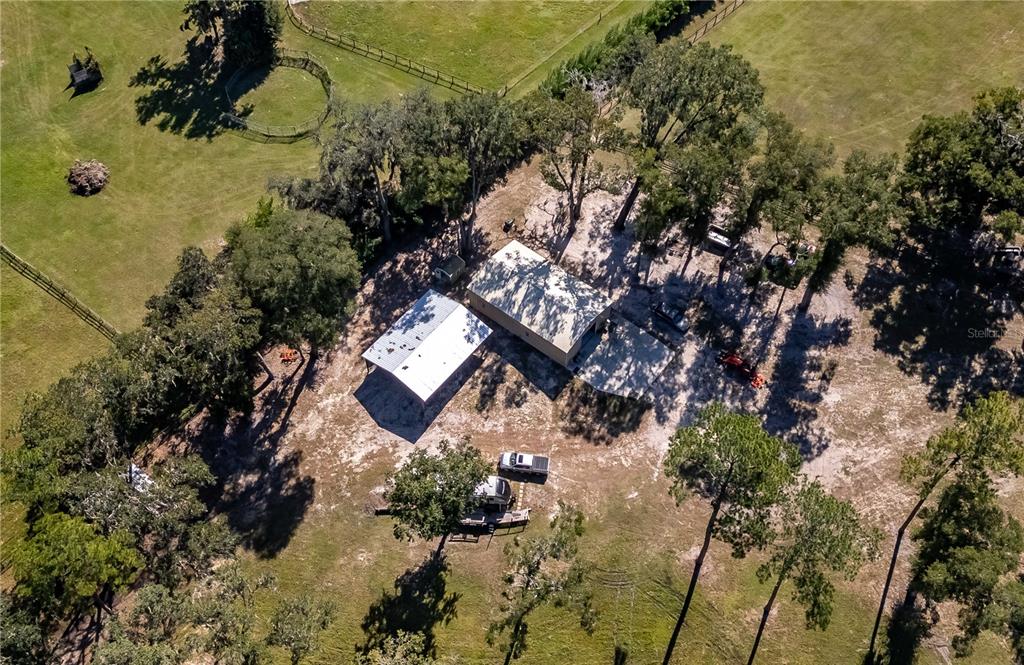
(428, 343)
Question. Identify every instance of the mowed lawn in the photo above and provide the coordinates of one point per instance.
(167, 190)
(638, 552)
(863, 73)
(30, 356)
(283, 96)
(487, 42)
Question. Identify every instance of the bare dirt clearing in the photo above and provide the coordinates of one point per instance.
(299, 476)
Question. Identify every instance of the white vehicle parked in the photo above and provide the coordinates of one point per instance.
(523, 463)
(717, 239)
(494, 492)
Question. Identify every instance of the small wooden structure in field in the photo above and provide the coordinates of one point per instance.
(84, 74)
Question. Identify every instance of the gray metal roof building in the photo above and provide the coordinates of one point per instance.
(428, 343)
(538, 301)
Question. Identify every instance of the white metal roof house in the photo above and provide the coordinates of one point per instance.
(537, 301)
(428, 343)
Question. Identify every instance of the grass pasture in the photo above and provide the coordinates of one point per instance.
(863, 73)
(176, 179)
(27, 364)
(638, 552)
(282, 96)
(487, 42)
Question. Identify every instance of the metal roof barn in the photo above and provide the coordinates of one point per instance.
(424, 347)
(540, 302)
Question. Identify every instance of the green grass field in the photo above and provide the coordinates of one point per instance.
(284, 96)
(166, 190)
(487, 42)
(863, 73)
(633, 550)
(25, 362)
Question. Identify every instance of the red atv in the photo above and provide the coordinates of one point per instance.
(735, 362)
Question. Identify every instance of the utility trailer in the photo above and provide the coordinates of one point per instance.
(492, 521)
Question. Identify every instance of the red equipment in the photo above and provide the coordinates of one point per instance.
(733, 360)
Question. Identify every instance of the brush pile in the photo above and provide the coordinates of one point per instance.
(87, 178)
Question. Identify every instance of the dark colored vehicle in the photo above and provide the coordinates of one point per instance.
(672, 316)
(515, 462)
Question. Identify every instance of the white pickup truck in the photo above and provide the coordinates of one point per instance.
(523, 463)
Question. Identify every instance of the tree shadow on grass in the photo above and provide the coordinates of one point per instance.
(420, 601)
(187, 97)
(908, 627)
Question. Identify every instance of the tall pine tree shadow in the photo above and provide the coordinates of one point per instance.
(419, 602)
(909, 625)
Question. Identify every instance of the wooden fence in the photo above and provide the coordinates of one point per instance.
(57, 291)
(425, 72)
(285, 133)
(715, 20)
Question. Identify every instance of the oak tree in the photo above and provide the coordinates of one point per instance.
(298, 269)
(431, 493)
(65, 566)
(570, 132)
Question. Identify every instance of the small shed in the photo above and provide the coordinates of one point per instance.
(428, 343)
(450, 271)
(84, 74)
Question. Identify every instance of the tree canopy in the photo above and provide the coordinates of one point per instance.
(987, 435)
(818, 536)
(570, 131)
(297, 624)
(402, 648)
(298, 269)
(431, 493)
(65, 565)
(693, 99)
(966, 544)
(859, 207)
(961, 168)
(248, 31)
(541, 570)
(729, 458)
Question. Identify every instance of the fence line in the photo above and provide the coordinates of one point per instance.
(425, 72)
(715, 20)
(285, 133)
(594, 20)
(57, 291)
